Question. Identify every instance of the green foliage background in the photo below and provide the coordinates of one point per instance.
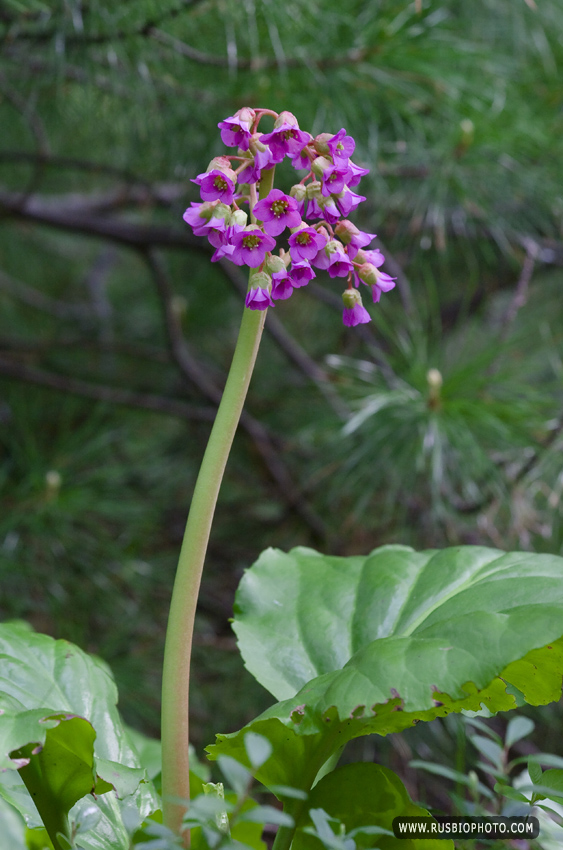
(106, 112)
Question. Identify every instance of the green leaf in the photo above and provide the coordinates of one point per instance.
(258, 749)
(550, 786)
(388, 640)
(301, 614)
(107, 830)
(510, 793)
(12, 834)
(535, 771)
(518, 728)
(490, 749)
(60, 717)
(362, 795)
(60, 771)
(454, 775)
(266, 814)
(237, 776)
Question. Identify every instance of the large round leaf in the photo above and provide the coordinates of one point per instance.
(392, 639)
(59, 723)
(301, 614)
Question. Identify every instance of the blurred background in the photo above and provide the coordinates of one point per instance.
(439, 423)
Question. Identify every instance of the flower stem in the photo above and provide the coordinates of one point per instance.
(176, 671)
(179, 633)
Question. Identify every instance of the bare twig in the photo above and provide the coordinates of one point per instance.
(98, 392)
(351, 57)
(363, 332)
(132, 234)
(37, 128)
(403, 284)
(73, 163)
(47, 35)
(521, 293)
(291, 348)
(139, 351)
(39, 301)
(518, 301)
(192, 369)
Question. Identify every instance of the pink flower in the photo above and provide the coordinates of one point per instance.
(334, 178)
(215, 185)
(277, 211)
(253, 171)
(356, 174)
(339, 264)
(204, 218)
(282, 286)
(301, 273)
(356, 315)
(223, 241)
(384, 284)
(329, 210)
(341, 146)
(258, 299)
(354, 311)
(250, 247)
(353, 238)
(348, 201)
(235, 132)
(286, 139)
(301, 159)
(379, 282)
(305, 244)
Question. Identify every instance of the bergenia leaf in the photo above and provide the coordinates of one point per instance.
(388, 640)
(60, 728)
(301, 614)
(363, 795)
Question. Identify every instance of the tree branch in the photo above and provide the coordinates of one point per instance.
(291, 348)
(98, 392)
(198, 375)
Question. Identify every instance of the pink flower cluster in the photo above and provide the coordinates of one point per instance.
(314, 212)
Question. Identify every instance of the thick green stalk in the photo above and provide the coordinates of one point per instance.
(176, 672)
(178, 648)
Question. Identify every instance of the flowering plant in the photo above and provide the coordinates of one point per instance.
(314, 212)
(349, 646)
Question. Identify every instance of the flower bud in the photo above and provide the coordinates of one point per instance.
(314, 190)
(434, 378)
(222, 164)
(274, 264)
(299, 192)
(285, 118)
(213, 209)
(246, 115)
(351, 298)
(220, 211)
(435, 381)
(239, 217)
(368, 273)
(320, 143)
(345, 230)
(53, 481)
(260, 280)
(332, 246)
(256, 145)
(319, 165)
